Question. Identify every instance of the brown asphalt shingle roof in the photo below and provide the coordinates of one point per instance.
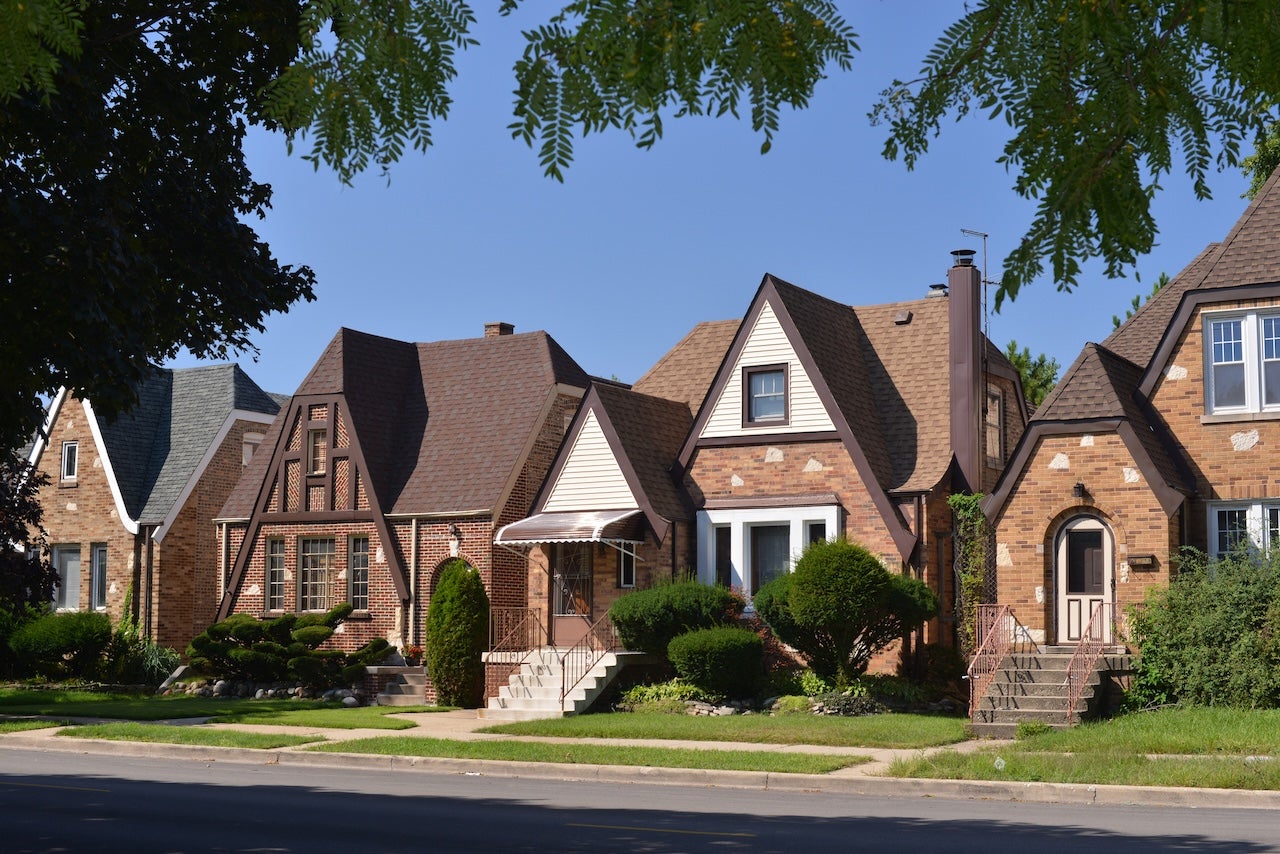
(441, 424)
(687, 370)
(651, 430)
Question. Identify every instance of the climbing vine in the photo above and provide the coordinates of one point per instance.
(972, 545)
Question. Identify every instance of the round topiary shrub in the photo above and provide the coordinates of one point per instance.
(456, 632)
(68, 644)
(726, 660)
(648, 620)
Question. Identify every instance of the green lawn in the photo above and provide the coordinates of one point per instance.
(1215, 748)
(596, 754)
(162, 733)
(359, 717)
(90, 704)
(888, 730)
(23, 726)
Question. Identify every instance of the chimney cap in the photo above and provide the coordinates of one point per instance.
(497, 328)
(963, 257)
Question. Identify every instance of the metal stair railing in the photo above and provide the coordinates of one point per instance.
(998, 633)
(1085, 659)
(515, 630)
(578, 660)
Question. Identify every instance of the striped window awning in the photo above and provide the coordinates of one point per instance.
(585, 526)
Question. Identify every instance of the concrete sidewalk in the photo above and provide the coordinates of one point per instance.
(462, 725)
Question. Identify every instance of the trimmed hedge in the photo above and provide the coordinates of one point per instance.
(63, 644)
(648, 620)
(726, 660)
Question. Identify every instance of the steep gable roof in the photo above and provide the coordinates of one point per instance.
(686, 371)
(157, 447)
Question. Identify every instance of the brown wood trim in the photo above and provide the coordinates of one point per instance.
(764, 424)
(769, 439)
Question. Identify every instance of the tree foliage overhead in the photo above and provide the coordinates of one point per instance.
(1039, 375)
(1101, 98)
(124, 230)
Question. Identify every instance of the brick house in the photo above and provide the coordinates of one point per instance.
(1156, 438)
(131, 502)
(806, 419)
(390, 459)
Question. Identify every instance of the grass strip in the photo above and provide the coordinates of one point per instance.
(596, 754)
(89, 704)
(163, 734)
(1216, 772)
(1189, 731)
(360, 717)
(23, 726)
(887, 730)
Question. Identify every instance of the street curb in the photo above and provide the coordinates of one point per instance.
(1046, 793)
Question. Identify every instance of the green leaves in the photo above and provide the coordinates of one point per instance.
(1102, 99)
(33, 35)
(622, 64)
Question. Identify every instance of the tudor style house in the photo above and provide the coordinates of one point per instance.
(1156, 438)
(130, 503)
(391, 459)
(807, 419)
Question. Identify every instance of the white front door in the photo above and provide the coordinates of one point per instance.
(1084, 579)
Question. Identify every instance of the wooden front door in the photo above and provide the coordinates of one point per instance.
(1083, 580)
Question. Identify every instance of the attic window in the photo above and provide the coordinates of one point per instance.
(316, 451)
(70, 460)
(764, 395)
(249, 445)
(902, 318)
(1242, 358)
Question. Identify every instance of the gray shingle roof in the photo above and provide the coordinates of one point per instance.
(156, 447)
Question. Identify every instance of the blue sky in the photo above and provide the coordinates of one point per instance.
(635, 247)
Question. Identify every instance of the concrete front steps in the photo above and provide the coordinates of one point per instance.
(1032, 687)
(533, 691)
(406, 686)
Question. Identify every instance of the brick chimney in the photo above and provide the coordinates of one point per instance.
(964, 285)
(493, 330)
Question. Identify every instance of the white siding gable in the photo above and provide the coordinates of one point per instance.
(591, 478)
(767, 344)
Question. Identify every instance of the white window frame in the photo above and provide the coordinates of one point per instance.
(98, 576)
(317, 451)
(316, 570)
(358, 572)
(1256, 524)
(626, 565)
(70, 460)
(67, 595)
(740, 522)
(275, 573)
(1252, 353)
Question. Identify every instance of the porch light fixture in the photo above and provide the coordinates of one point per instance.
(1078, 490)
(455, 539)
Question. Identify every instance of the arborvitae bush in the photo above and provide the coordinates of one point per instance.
(841, 606)
(726, 660)
(648, 620)
(64, 644)
(456, 634)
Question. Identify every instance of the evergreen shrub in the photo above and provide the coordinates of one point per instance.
(456, 633)
(648, 620)
(64, 644)
(726, 660)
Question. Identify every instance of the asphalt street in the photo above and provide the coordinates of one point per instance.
(73, 802)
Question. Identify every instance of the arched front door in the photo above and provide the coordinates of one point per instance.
(1084, 578)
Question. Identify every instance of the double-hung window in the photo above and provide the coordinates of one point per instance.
(275, 575)
(98, 577)
(358, 573)
(1242, 362)
(1243, 525)
(765, 395)
(316, 565)
(66, 560)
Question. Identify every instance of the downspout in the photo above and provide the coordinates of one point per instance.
(150, 578)
(675, 533)
(225, 544)
(411, 632)
(135, 607)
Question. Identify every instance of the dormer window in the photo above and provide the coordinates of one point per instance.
(70, 460)
(317, 451)
(765, 398)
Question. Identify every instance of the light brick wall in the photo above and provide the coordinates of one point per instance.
(1041, 501)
